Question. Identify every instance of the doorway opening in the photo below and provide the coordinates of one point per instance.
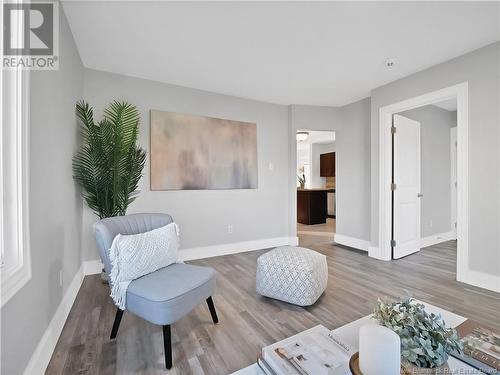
(423, 177)
(316, 212)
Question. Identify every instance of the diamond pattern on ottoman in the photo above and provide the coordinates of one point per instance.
(292, 274)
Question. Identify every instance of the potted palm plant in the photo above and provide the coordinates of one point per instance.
(425, 340)
(109, 165)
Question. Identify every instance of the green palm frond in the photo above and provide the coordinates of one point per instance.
(109, 165)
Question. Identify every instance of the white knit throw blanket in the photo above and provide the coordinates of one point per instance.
(136, 255)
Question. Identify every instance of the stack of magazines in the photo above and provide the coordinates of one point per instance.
(481, 347)
(315, 351)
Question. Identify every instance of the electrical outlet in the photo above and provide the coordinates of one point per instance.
(60, 278)
(271, 167)
(230, 228)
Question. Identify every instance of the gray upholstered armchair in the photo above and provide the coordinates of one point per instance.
(164, 296)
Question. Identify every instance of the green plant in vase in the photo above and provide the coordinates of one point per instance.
(425, 340)
(302, 181)
(301, 177)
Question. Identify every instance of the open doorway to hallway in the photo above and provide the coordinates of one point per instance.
(424, 179)
(316, 212)
(388, 233)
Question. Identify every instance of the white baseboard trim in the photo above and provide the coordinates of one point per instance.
(92, 267)
(482, 280)
(294, 241)
(374, 252)
(437, 238)
(355, 243)
(235, 247)
(43, 352)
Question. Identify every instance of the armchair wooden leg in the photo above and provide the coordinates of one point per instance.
(211, 307)
(116, 324)
(167, 344)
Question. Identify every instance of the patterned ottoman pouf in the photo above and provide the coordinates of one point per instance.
(292, 274)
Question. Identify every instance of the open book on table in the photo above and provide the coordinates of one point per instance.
(316, 351)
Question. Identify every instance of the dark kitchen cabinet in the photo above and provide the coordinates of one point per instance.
(311, 206)
(327, 165)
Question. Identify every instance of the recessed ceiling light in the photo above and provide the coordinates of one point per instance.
(390, 63)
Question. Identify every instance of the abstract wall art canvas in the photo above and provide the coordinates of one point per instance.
(194, 153)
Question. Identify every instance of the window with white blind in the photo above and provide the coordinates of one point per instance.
(15, 268)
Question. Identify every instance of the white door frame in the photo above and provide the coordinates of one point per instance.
(453, 180)
(461, 92)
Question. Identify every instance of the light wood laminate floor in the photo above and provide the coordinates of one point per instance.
(248, 321)
(326, 228)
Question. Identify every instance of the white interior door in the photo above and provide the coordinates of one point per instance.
(407, 194)
(453, 181)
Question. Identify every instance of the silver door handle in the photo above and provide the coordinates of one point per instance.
(420, 195)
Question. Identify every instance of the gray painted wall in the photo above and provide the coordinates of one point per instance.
(353, 171)
(435, 125)
(55, 205)
(309, 117)
(352, 146)
(203, 216)
(481, 69)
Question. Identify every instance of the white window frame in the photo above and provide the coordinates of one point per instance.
(15, 268)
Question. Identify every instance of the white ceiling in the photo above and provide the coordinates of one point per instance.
(449, 105)
(280, 52)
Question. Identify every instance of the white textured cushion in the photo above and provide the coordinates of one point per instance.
(136, 255)
(292, 274)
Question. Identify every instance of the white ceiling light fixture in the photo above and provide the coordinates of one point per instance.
(302, 136)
